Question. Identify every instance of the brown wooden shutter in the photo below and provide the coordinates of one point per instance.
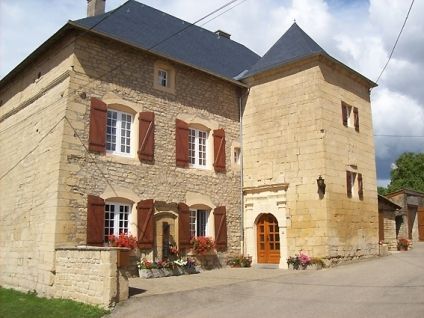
(219, 150)
(146, 136)
(220, 221)
(181, 143)
(95, 220)
(97, 134)
(360, 186)
(183, 226)
(145, 224)
(356, 118)
(344, 115)
(349, 183)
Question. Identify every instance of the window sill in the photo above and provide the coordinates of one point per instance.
(119, 158)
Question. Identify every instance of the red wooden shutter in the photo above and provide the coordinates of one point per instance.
(95, 220)
(219, 150)
(360, 186)
(344, 115)
(220, 221)
(181, 140)
(349, 183)
(356, 118)
(97, 134)
(146, 136)
(145, 224)
(183, 226)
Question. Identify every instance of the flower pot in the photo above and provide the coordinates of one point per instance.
(123, 258)
(157, 273)
(167, 272)
(145, 273)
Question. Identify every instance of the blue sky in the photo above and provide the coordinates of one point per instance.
(358, 33)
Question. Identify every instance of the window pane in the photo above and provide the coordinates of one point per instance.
(111, 130)
(201, 223)
(192, 223)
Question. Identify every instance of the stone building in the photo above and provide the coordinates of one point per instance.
(119, 123)
(389, 216)
(410, 217)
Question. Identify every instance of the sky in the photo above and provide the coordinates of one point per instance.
(359, 33)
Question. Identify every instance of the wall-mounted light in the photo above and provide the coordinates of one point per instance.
(321, 185)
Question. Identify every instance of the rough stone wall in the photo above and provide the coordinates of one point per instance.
(129, 82)
(293, 132)
(352, 222)
(282, 142)
(31, 129)
(89, 275)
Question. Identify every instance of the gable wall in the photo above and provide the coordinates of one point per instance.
(31, 128)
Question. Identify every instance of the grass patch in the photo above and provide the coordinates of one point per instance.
(16, 304)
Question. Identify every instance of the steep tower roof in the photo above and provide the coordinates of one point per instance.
(295, 44)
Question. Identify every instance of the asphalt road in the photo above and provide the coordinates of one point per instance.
(391, 286)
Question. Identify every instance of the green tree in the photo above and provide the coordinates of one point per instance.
(408, 173)
(382, 190)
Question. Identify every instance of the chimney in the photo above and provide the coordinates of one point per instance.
(223, 34)
(95, 7)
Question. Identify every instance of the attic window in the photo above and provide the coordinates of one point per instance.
(164, 77)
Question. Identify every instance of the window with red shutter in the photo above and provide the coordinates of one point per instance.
(145, 224)
(360, 186)
(220, 221)
(349, 183)
(219, 150)
(146, 136)
(95, 220)
(181, 143)
(344, 114)
(183, 226)
(97, 133)
(356, 118)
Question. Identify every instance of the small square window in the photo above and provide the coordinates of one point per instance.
(236, 156)
(163, 78)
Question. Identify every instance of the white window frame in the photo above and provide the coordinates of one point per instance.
(119, 133)
(163, 77)
(196, 216)
(198, 148)
(116, 219)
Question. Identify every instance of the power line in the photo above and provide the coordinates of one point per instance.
(122, 64)
(223, 12)
(82, 87)
(397, 39)
(400, 136)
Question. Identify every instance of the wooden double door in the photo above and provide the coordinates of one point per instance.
(268, 240)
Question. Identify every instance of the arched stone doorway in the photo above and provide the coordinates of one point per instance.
(268, 239)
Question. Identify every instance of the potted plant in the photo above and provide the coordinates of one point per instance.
(402, 244)
(202, 245)
(299, 261)
(145, 268)
(123, 240)
(240, 261)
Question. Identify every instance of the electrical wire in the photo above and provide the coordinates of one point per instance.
(396, 42)
(122, 64)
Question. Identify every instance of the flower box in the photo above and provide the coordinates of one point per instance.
(145, 273)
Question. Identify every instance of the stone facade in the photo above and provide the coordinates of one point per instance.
(89, 275)
(293, 133)
(410, 218)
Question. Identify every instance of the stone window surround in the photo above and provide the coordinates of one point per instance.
(118, 136)
(199, 132)
(207, 125)
(117, 213)
(235, 166)
(170, 70)
(114, 102)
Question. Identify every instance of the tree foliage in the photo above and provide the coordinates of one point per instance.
(408, 173)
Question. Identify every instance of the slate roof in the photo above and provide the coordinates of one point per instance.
(295, 44)
(144, 27)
